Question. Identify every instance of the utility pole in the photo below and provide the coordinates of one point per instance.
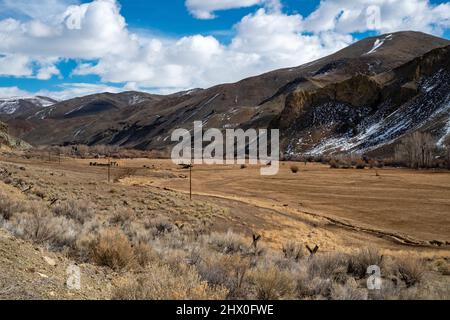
(190, 181)
(109, 170)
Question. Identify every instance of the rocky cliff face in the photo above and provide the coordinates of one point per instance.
(9, 142)
(361, 98)
(365, 112)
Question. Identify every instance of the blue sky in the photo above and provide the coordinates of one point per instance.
(66, 48)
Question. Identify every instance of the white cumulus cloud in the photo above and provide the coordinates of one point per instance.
(96, 35)
(202, 9)
(381, 15)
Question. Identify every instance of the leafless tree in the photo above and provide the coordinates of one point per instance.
(416, 150)
(447, 151)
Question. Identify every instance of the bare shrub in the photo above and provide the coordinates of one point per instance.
(228, 243)
(313, 288)
(160, 226)
(295, 169)
(329, 266)
(121, 216)
(86, 239)
(112, 249)
(293, 251)
(410, 270)
(37, 224)
(161, 283)
(272, 284)
(227, 271)
(144, 254)
(348, 291)
(78, 210)
(359, 262)
(8, 207)
(135, 231)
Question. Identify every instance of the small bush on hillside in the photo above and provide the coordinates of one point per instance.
(312, 288)
(359, 262)
(161, 283)
(160, 226)
(8, 207)
(122, 216)
(112, 249)
(228, 243)
(144, 254)
(74, 209)
(272, 284)
(411, 271)
(295, 169)
(37, 224)
(293, 251)
(348, 291)
(228, 271)
(329, 266)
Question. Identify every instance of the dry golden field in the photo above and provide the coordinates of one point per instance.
(413, 205)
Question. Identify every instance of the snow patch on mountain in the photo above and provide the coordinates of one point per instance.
(74, 110)
(136, 99)
(12, 105)
(378, 44)
(8, 107)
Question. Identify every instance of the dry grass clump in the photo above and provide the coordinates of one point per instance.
(144, 254)
(308, 287)
(36, 223)
(293, 251)
(295, 169)
(349, 291)
(228, 243)
(270, 283)
(74, 209)
(8, 207)
(122, 216)
(362, 260)
(162, 283)
(410, 270)
(329, 266)
(159, 226)
(112, 249)
(229, 271)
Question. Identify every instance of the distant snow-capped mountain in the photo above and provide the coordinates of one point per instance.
(17, 105)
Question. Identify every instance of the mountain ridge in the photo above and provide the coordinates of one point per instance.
(355, 82)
